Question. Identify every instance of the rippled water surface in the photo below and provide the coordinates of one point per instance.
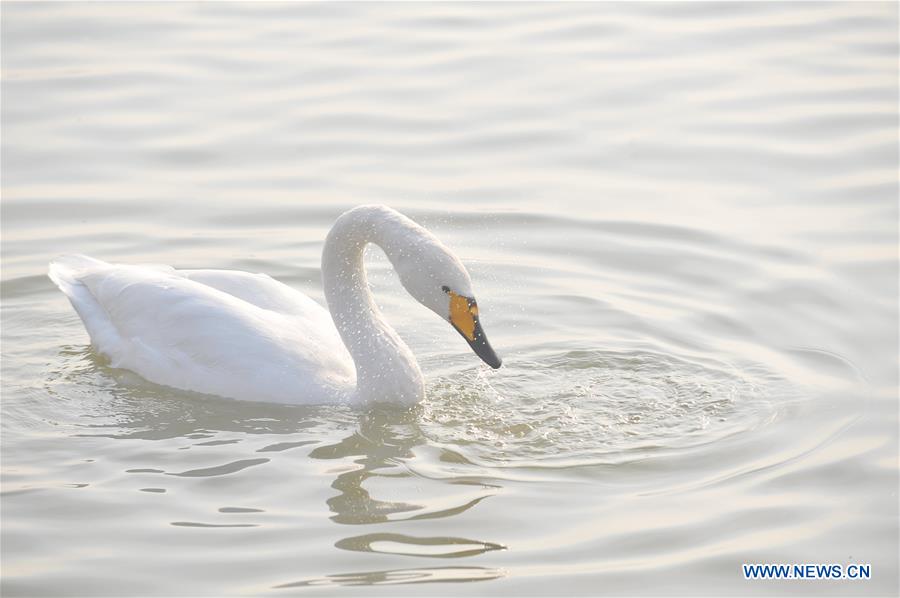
(681, 222)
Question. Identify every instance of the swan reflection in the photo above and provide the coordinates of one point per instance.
(370, 455)
(400, 577)
(384, 442)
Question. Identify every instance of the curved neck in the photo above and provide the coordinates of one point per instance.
(385, 367)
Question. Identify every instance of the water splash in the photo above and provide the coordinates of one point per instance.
(590, 407)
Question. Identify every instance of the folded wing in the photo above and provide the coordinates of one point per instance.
(229, 333)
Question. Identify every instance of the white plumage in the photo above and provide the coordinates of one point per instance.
(248, 336)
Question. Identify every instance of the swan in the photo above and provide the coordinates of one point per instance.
(249, 337)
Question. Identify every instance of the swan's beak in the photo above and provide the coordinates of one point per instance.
(464, 317)
(482, 347)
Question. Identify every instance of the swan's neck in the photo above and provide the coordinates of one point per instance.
(385, 367)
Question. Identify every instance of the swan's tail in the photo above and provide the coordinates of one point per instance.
(69, 272)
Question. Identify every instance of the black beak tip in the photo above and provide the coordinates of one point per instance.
(494, 363)
(480, 345)
(485, 351)
(488, 356)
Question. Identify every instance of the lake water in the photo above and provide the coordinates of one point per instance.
(682, 225)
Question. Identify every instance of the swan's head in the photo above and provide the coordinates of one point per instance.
(438, 280)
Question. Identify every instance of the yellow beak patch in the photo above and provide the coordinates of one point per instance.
(462, 314)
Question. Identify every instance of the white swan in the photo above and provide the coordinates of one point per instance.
(248, 336)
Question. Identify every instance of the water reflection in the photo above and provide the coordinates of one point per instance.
(218, 470)
(402, 544)
(370, 448)
(401, 576)
(382, 445)
(384, 439)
